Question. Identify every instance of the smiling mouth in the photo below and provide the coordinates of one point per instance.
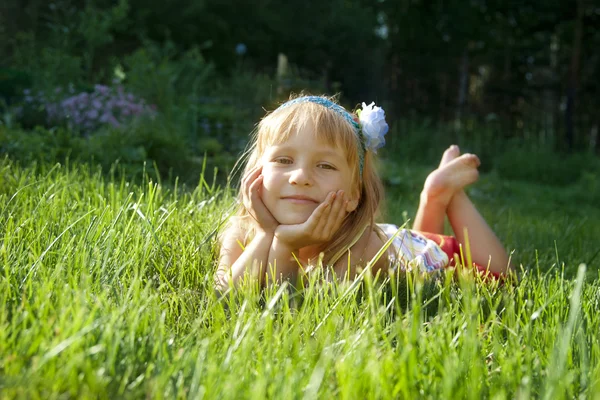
(300, 200)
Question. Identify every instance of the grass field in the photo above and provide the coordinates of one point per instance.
(106, 292)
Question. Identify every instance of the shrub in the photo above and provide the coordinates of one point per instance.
(12, 83)
(40, 144)
(82, 112)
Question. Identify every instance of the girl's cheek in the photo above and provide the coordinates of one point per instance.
(267, 179)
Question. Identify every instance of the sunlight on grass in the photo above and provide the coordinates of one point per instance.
(107, 292)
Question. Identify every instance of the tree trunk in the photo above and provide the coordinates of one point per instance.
(506, 114)
(443, 81)
(574, 78)
(594, 144)
(463, 87)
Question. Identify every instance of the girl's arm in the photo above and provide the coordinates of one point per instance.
(235, 260)
(289, 239)
(282, 264)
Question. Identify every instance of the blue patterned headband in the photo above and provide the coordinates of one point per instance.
(370, 129)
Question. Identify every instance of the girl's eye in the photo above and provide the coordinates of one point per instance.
(326, 166)
(283, 161)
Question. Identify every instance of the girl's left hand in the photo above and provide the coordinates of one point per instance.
(320, 227)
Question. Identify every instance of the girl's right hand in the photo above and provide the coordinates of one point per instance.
(251, 189)
(320, 227)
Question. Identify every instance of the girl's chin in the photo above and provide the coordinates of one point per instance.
(292, 219)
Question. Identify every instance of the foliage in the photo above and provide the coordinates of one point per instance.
(63, 41)
(166, 76)
(13, 82)
(531, 66)
(545, 166)
(82, 112)
(107, 292)
(144, 144)
(195, 118)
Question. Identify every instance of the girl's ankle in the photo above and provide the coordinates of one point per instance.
(437, 200)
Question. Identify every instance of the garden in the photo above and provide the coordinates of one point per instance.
(120, 126)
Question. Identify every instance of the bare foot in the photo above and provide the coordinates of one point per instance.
(455, 172)
(450, 154)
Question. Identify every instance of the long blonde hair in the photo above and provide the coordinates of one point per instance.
(276, 128)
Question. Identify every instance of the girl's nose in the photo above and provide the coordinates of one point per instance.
(300, 176)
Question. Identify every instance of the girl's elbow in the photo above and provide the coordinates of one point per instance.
(222, 282)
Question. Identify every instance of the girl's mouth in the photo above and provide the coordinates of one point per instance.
(300, 199)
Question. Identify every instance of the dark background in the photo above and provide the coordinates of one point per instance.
(495, 72)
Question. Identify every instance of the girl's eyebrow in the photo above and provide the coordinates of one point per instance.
(328, 153)
(319, 152)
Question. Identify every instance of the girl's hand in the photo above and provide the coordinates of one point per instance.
(320, 227)
(251, 192)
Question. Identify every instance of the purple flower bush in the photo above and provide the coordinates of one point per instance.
(87, 112)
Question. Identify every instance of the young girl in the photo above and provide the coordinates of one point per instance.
(310, 191)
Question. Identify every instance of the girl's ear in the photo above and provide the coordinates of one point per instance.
(352, 204)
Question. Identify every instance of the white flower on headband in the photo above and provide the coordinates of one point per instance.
(374, 127)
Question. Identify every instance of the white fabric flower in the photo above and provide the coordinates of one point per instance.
(374, 127)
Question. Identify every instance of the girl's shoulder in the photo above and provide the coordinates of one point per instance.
(235, 231)
(232, 240)
(364, 250)
(374, 240)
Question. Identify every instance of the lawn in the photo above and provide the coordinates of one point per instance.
(106, 291)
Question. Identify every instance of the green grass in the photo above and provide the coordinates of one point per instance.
(106, 291)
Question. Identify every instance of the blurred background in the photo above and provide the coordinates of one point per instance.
(179, 84)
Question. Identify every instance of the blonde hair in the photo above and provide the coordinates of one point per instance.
(277, 127)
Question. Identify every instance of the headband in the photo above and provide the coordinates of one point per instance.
(370, 127)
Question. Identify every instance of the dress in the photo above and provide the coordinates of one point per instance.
(424, 251)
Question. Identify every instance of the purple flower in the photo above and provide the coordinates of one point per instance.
(102, 89)
(104, 118)
(87, 112)
(113, 121)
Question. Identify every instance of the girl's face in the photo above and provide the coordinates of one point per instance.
(300, 173)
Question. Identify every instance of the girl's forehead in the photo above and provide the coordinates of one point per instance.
(307, 131)
(309, 139)
(311, 124)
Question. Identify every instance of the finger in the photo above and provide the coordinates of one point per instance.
(342, 214)
(247, 175)
(249, 184)
(318, 220)
(249, 179)
(251, 176)
(254, 189)
(257, 205)
(336, 205)
(336, 216)
(320, 213)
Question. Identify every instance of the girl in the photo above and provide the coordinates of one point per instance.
(310, 191)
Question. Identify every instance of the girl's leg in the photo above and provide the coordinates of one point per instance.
(430, 215)
(453, 174)
(486, 249)
(443, 194)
